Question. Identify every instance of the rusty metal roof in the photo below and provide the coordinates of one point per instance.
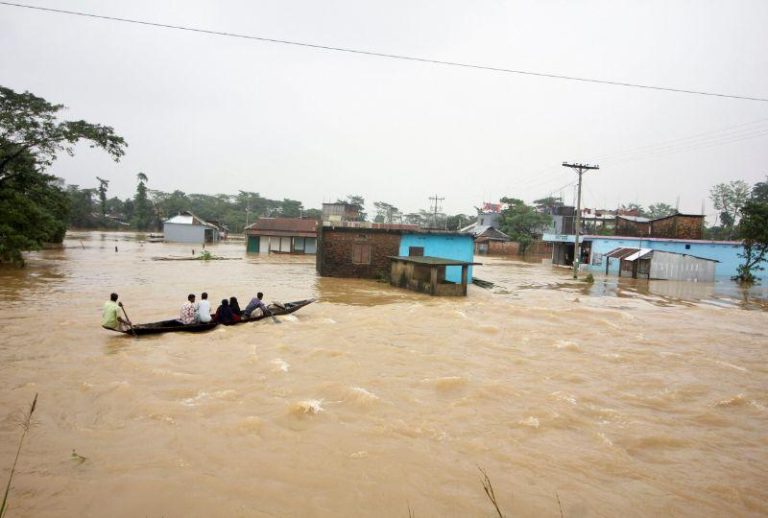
(283, 225)
(621, 253)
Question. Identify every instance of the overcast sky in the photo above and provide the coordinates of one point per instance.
(209, 114)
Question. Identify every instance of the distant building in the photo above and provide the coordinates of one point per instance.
(282, 235)
(188, 228)
(636, 226)
(679, 226)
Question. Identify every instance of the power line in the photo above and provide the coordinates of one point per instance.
(383, 54)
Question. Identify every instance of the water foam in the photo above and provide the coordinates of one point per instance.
(280, 365)
(307, 407)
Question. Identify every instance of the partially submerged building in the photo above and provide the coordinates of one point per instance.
(188, 228)
(365, 252)
(282, 235)
(596, 248)
(646, 263)
(427, 274)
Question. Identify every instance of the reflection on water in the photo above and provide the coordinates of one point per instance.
(620, 397)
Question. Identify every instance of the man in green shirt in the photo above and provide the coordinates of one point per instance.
(111, 318)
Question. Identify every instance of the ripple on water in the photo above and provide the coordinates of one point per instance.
(361, 397)
(447, 383)
(307, 407)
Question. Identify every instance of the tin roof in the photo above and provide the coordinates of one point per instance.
(188, 218)
(284, 225)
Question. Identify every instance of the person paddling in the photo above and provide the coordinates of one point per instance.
(111, 318)
(256, 304)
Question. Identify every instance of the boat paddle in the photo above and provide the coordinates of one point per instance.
(133, 331)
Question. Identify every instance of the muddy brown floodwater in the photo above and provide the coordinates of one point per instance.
(620, 399)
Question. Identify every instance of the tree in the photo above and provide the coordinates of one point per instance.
(728, 199)
(80, 207)
(634, 208)
(30, 128)
(142, 210)
(660, 210)
(457, 221)
(358, 202)
(753, 229)
(521, 222)
(386, 213)
(34, 204)
(103, 184)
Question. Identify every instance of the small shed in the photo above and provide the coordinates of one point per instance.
(188, 228)
(282, 235)
(426, 274)
(647, 263)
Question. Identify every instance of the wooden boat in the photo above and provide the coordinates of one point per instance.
(173, 325)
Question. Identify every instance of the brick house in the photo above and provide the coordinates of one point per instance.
(358, 251)
(679, 226)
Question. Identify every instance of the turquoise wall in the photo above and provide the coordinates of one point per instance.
(725, 252)
(457, 247)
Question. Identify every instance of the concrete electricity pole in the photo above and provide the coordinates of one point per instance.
(580, 170)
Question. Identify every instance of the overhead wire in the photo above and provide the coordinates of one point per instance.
(385, 54)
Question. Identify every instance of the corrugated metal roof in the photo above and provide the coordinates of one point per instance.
(284, 224)
(640, 254)
(621, 253)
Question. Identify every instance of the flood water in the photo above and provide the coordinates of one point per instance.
(624, 398)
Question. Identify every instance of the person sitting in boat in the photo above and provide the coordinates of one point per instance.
(111, 318)
(188, 310)
(235, 306)
(204, 309)
(224, 314)
(256, 307)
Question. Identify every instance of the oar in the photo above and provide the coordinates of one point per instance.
(133, 331)
(274, 318)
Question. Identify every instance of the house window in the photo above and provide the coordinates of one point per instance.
(298, 244)
(361, 254)
(416, 251)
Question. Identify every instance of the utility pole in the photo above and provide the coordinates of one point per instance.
(580, 170)
(436, 207)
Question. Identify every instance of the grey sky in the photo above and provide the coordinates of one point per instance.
(210, 114)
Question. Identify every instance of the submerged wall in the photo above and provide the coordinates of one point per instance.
(460, 247)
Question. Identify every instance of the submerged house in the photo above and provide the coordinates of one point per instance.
(369, 252)
(188, 228)
(647, 263)
(723, 255)
(282, 235)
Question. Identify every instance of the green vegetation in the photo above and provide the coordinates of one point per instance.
(521, 222)
(753, 229)
(34, 205)
(728, 199)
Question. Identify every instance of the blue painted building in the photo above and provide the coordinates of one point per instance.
(460, 247)
(594, 249)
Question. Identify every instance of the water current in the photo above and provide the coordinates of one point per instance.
(622, 398)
